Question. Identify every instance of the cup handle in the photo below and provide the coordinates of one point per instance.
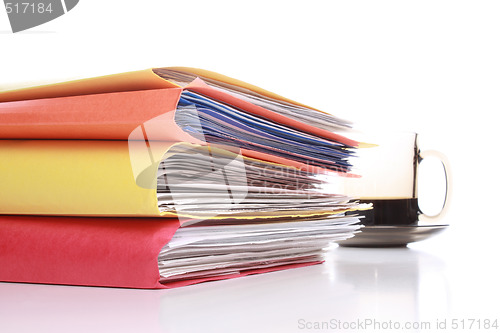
(447, 172)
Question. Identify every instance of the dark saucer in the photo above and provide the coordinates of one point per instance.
(391, 236)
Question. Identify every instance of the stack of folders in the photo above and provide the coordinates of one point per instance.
(166, 177)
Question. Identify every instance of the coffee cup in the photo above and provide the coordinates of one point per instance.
(388, 180)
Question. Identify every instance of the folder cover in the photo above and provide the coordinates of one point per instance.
(157, 104)
(120, 178)
(110, 252)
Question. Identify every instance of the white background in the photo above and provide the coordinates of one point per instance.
(427, 66)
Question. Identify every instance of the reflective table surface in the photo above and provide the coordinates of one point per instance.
(424, 286)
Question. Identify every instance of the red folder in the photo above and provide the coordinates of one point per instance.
(110, 252)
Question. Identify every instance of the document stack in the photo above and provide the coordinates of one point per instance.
(166, 177)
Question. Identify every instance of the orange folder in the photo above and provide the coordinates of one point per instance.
(16, 115)
(135, 105)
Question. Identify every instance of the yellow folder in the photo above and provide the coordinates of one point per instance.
(102, 178)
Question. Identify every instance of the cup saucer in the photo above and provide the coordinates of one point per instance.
(392, 236)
